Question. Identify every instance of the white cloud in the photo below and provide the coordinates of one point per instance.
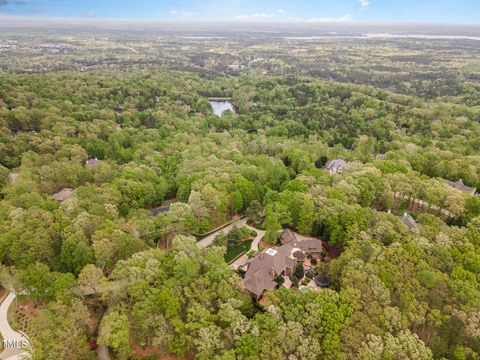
(281, 11)
(174, 12)
(256, 16)
(339, 19)
(364, 3)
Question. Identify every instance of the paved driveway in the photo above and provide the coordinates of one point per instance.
(207, 240)
(14, 353)
(242, 260)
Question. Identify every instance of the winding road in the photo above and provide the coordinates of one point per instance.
(16, 352)
(242, 260)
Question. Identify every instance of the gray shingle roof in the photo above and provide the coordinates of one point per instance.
(408, 220)
(335, 165)
(63, 194)
(459, 185)
(91, 162)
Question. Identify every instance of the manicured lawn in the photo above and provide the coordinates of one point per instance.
(237, 250)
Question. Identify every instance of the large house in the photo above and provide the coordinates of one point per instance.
(459, 185)
(281, 260)
(335, 166)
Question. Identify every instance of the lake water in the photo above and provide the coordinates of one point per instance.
(219, 107)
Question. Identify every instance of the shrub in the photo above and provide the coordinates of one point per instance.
(299, 271)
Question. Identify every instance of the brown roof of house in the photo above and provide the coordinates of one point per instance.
(287, 236)
(276, 259)
(263, 268)
(63, 194)
(299, 255)
(459, 185)
(259, 282)
(310, 245)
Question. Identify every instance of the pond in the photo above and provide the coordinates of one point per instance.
(220, 106)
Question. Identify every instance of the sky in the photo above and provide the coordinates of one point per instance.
(332, 11)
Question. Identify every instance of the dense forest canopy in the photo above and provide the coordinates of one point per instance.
(85, 156)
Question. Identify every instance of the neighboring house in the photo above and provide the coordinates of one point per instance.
(20, 132)
(459, 185)
(91, 162)
(13, 177)
(160, 210)
(335, 166)
(282, 260)
(63, 194)
(408, 220)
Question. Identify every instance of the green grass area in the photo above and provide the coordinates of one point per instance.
(237, 250)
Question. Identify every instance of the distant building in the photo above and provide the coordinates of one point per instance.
(335, 166)
(13, 177)
(92, 162)
(63, 194)
(408, 220)
(459, 185)
(160, 210)
(282, 260)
